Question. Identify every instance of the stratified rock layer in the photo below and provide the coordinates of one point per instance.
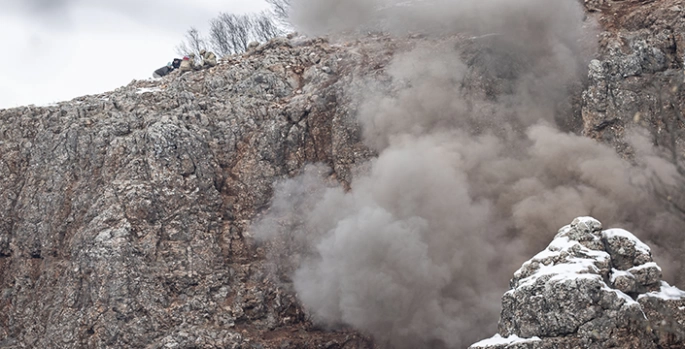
(590, 288)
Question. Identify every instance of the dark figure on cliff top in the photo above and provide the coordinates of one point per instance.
(171, 66)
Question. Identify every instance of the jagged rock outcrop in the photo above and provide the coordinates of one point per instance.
(590, 288)
(637, 78)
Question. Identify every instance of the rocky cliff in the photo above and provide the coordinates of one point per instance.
(130, 219)
(590, 288)
(124, 214)
(637, 77)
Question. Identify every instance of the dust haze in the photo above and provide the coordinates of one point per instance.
(476, 172)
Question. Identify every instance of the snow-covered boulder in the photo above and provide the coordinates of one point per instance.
(590, 288)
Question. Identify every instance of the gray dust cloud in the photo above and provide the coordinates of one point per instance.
(476, 172)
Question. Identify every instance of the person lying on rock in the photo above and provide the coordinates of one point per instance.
(171, 66)
(208, 58)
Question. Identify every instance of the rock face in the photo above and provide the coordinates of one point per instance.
(637, 78)
(590, 288)
(123, 215)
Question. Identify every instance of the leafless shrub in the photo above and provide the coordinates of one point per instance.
(280, 8)
(231, 33)
(264, 27)
(192, 43)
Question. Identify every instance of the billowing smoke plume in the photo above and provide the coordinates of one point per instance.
(475, 174)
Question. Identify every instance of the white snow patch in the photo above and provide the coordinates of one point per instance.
(561, 244)
(148, 89)
(621, 295)
(645, 266)
(573, 269)
(571, 277)
(544, 254)
(565, 229)
(53, 104)
(667, 292)
(615, 273)
(612, 233)
(600, 256)
(555, 248)
(499, 340)
(589, 221)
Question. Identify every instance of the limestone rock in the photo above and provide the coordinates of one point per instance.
(640, 62)
(123, 214)
(590, 289)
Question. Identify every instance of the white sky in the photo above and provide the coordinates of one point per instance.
(56, 50)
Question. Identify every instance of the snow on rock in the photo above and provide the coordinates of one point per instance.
(499, 340)
(612, 234)
(623, 280)
(666, 292)
(665, 309)
(586, 287)
(627, 250)
(647, 275)
(148, 90)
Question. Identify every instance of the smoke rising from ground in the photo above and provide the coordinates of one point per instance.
(474, 175)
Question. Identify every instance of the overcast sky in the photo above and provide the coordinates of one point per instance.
(56, 50)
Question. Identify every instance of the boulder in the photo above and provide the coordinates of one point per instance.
(590, 288)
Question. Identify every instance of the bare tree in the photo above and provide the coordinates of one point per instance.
(220, 38)
(281, 9)
(264, 28)
(192, 43)
(230, 33)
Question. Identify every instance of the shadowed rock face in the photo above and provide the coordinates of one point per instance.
(590, 288)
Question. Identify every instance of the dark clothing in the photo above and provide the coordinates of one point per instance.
(176, 63)
(167, 69)
(162, 71)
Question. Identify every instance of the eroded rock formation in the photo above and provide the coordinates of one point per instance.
(637, 77)
(590, 288)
